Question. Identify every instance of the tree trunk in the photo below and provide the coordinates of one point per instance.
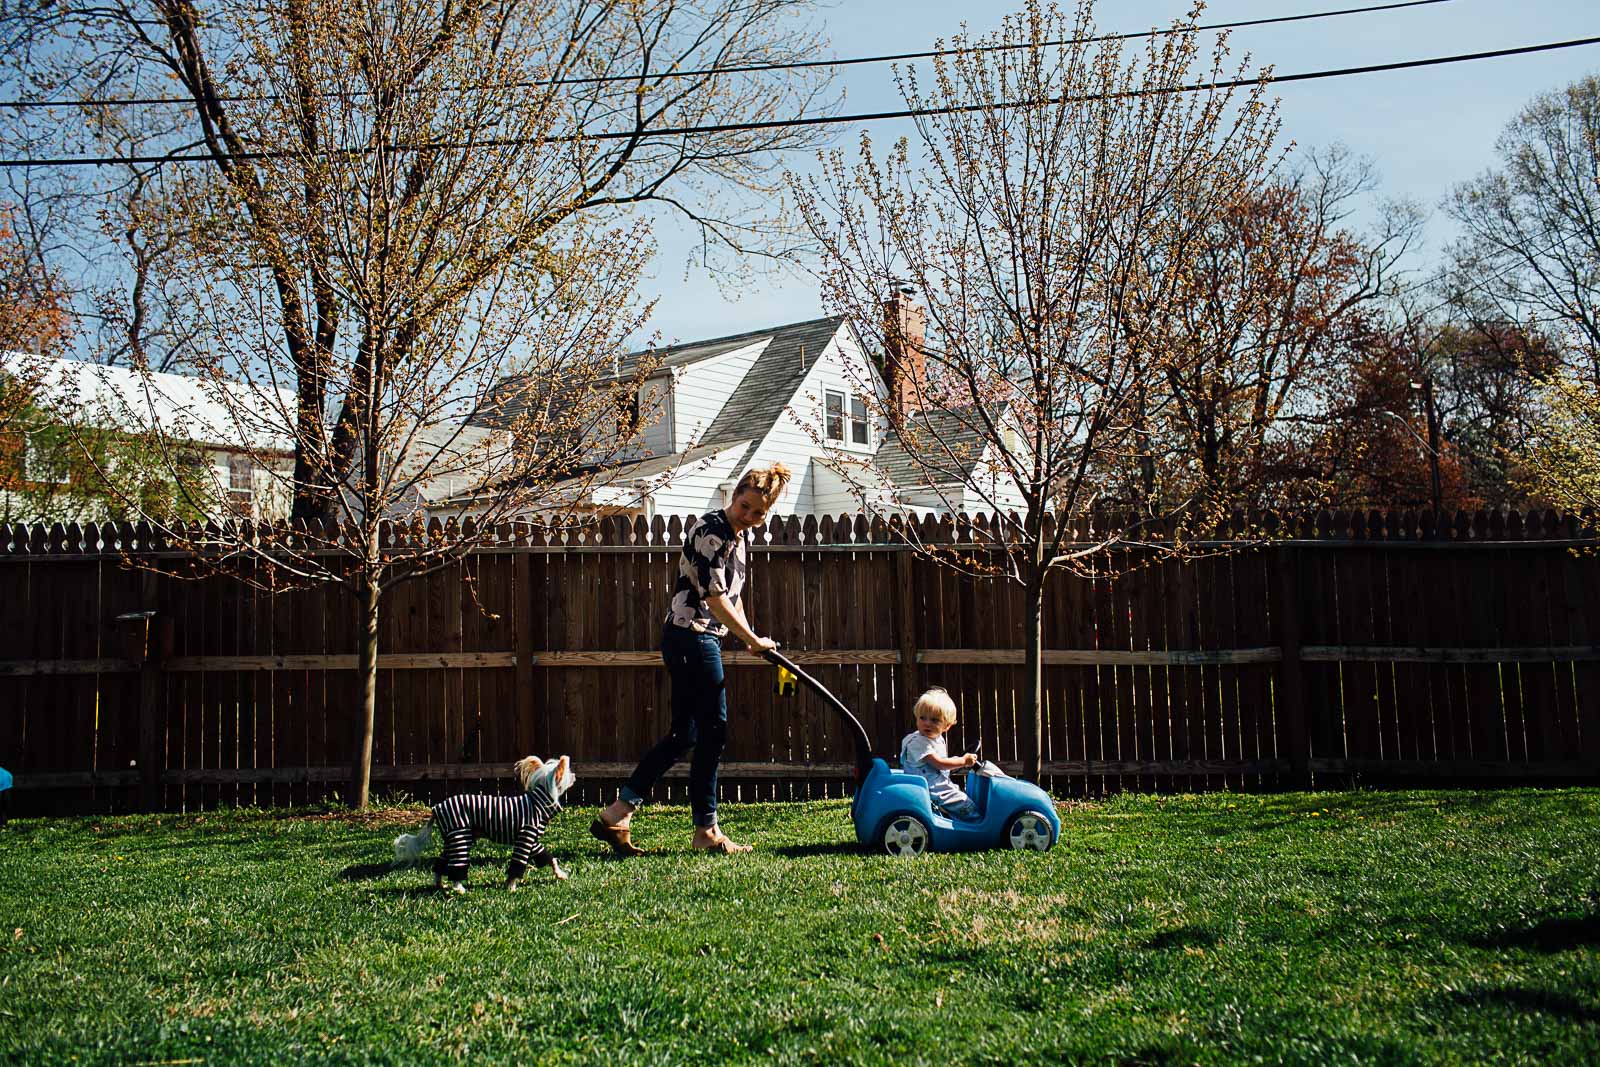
(1033, 692)
(367, 662)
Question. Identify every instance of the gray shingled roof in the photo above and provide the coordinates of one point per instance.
(952, 428)
(509, 395)
(772, 381)
(689, 351)
(651, 466)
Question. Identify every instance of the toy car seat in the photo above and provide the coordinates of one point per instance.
(978, 791)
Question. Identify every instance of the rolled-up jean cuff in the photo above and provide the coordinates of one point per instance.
(630, 797)
(705, 822)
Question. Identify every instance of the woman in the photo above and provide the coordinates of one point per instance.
(705, 607)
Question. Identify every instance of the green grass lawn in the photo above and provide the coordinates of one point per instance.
(1329, 928)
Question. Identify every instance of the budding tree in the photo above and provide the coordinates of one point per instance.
(1049, 212)
(600, 92)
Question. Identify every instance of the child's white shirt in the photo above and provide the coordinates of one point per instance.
(913, 750)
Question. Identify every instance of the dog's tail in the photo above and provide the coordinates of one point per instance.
(408, 848)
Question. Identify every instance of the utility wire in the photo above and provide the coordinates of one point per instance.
(758, 67)
(821, 120)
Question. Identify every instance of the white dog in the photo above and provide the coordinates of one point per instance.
(518, 821)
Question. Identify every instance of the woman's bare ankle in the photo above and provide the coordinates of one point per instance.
(618, 813)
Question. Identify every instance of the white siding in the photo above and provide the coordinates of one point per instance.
(841, 488)
(927, 502)
(697, 489)
(700, 389)
(271, 479)
(655, 404)
(796, 438)
(997, 487)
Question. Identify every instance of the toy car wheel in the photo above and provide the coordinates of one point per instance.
(904, 835)
(1030, 830)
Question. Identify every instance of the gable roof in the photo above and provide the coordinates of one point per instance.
(688, 352)
(227, 415)
(511, 395)
(770, 384)
(952, 428)
(672, 463)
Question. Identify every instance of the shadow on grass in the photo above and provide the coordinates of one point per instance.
(1526, 1001)
(365, 872)
(362, 872)
(831, 848)
(1172, 1052)
(1548, 935)
(425, 890)
(1162, 1055)
(1190, 936)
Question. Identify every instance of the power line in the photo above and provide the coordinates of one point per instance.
(758, 67)
(827, 120)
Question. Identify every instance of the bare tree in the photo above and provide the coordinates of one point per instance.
(101, 232)
(1275, 298)
(1051, 213)
(139, 307)
(447, 453)
(1530, 245)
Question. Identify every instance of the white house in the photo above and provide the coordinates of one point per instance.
(245, 452)
(240, 433)
(804, 394)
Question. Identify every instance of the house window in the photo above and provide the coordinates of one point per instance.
(629, 420)
(833, 423)
(42, 460)
(241, 479)
(858, 420)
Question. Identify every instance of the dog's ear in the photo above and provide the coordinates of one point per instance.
(525, 769)
(564, 775)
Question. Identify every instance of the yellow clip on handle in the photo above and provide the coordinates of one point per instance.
(785, 685)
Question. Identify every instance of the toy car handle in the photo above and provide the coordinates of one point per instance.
(858, 732)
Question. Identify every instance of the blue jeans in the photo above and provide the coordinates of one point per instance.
(699, 721)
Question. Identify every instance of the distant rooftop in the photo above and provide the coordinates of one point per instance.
(178, 406)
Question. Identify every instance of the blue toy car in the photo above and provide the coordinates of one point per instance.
(893, 813)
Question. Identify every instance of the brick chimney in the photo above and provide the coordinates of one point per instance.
(904, 359)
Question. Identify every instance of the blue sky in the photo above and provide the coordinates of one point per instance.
(1424, 129)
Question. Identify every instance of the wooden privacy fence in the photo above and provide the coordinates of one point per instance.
(1378, 647)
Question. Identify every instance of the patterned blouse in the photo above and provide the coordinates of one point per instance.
(715, 561)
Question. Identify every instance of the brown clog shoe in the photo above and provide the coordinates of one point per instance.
(617, 838)
(724, 848)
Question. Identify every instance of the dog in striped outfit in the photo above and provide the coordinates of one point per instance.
(518, 821)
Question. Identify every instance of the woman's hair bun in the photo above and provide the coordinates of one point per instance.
(770, 482)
